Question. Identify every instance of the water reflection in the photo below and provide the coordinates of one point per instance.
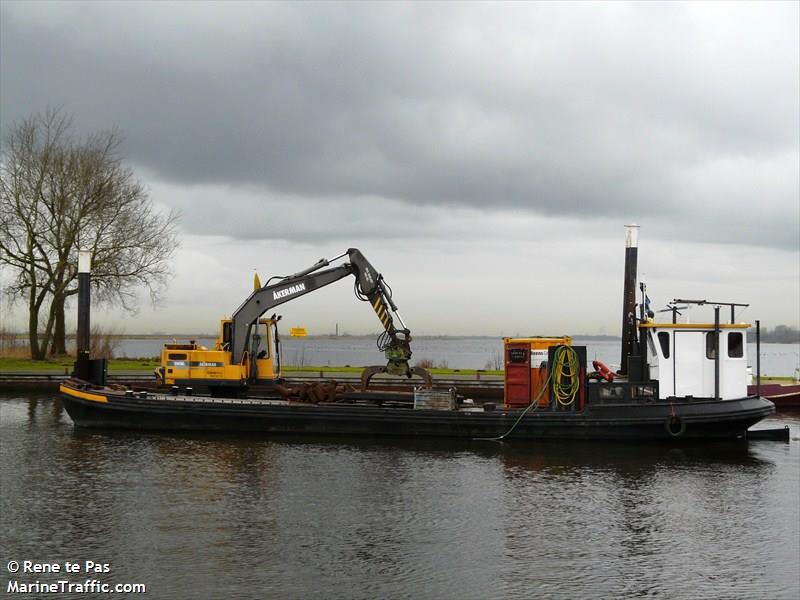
(219, 515)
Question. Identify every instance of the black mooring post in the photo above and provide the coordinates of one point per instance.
(83, 341)
(758, 358)
(716, 353)
(629, 296)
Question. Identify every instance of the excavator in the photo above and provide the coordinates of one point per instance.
(247, 351)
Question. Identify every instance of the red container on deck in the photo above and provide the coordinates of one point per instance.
(525, 361)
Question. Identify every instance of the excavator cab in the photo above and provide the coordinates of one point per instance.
(261, 360)
(191, 364)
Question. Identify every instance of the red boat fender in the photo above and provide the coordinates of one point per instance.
(603, 370)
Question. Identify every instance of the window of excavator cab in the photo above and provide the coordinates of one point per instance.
(263, 337)
(663, 341)
(226, 335)
(735, 344)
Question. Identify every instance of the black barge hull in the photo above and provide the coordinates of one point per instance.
(689, 420)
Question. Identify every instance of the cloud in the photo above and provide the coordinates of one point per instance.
(552, 283)
(483, 156)
(681, 113)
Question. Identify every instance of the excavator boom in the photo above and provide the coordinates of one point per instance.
(370, 287)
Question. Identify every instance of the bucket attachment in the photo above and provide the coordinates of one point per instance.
(369, 372)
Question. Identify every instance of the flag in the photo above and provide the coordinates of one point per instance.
(256, 282)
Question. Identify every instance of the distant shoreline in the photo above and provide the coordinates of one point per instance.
(158, 336)
(23, 337)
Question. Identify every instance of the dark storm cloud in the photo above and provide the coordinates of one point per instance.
(622, 110)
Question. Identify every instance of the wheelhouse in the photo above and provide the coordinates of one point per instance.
(701, 360)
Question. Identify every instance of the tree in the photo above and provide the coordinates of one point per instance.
(782, 334)
(60, 193)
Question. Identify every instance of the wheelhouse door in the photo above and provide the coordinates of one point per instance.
(689, 358)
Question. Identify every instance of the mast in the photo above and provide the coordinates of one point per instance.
(629, 296)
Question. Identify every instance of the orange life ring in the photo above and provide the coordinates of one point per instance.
(603, 370)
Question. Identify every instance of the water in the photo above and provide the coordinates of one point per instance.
(211, 516)
(454, 352)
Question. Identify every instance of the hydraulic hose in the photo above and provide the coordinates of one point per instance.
(566, 375)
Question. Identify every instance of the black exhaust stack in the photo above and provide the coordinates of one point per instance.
(629, 296)
(93, 371)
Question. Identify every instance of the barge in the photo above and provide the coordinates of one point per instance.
(785, 396)
(677, 381)
(631, 418)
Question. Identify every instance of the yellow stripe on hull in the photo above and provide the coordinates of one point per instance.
(83, 395)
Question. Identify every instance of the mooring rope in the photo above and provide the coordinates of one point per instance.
(565, 363)
(531, 407)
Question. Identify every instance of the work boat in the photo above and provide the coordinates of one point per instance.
(676, 382)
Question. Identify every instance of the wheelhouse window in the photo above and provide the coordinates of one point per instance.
(663, 341)
(711, 345)
(643, 392)
(735, 344)
(611, 392)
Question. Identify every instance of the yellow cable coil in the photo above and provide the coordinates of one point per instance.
(566, 375)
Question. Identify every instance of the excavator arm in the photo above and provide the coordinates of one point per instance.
(393, 342)
(369, 286)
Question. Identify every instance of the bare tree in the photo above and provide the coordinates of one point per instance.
(59, 193)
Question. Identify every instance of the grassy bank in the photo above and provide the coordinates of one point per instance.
(19, 365)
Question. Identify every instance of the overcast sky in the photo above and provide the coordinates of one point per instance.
(484, 157)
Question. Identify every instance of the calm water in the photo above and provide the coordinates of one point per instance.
(201, 516)
(455, 352)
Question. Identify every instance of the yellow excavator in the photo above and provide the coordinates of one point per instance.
(247, 351)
